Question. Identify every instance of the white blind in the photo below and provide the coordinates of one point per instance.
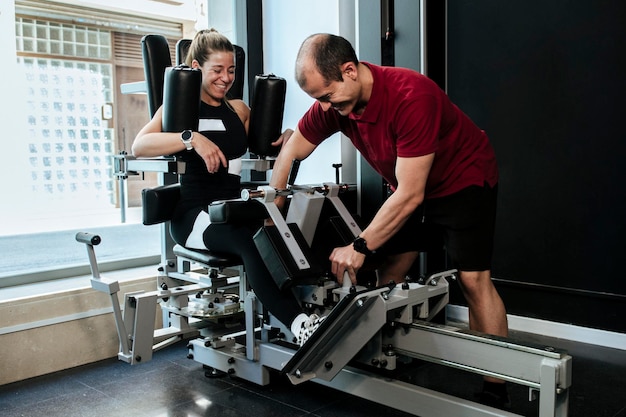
(114, 21)
(127, 50)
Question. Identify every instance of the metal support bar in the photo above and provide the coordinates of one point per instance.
(540, 367)
(267, 198)
(406, 397)
(333, 196)
(250, 307)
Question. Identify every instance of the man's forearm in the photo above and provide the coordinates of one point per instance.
(389, 219)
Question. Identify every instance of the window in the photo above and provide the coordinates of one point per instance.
(70, 145)
(75, 121)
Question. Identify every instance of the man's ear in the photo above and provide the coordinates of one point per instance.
(349, 69)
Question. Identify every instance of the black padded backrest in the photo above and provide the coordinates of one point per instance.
(182, 47)
(236, 91)
(156, 57)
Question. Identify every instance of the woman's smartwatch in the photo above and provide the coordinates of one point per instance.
(186, 137)
(360, 245)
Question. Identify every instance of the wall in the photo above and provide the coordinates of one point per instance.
(285, 25)
(546, 81)
(57, 330)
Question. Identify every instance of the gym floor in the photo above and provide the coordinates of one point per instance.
(172, 385)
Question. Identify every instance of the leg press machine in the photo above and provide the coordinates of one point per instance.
(368, 332)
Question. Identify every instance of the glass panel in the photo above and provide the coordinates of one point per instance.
(67, 160)
(55, 32)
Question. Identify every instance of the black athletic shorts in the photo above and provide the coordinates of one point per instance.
(462, 222)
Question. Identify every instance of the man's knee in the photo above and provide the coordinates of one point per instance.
(475, 282)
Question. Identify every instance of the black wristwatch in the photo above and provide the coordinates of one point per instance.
(360, 245)
(186, 137)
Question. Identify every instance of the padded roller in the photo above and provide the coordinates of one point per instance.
(159, 203)
(279, 261)
(237, 211)
(266, 115)
(181, 98)
(156, 57)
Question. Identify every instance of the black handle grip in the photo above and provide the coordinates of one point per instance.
(293, 172)
(88, 238)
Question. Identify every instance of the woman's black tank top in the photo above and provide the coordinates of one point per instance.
(222, 126)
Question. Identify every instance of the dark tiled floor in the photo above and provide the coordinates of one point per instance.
(172, 385)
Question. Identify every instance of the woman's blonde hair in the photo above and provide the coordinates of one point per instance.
(205, 43)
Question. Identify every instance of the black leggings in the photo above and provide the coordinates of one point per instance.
(237, 239)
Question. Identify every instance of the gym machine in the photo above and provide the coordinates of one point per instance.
(367, 332)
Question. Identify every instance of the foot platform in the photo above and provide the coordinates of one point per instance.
(348, 327)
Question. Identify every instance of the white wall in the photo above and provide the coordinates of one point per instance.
(14, 128)
(286, 24)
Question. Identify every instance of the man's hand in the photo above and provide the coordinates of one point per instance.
(346, 259)
(283, 138)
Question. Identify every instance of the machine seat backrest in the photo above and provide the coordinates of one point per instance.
(156, 57)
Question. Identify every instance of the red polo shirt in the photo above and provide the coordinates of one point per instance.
(408, 115)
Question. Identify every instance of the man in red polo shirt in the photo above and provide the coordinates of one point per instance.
(440, 165)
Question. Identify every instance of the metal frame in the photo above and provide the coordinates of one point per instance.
(376, 327)
(361, 332)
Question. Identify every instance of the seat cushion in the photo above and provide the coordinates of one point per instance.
(207, 258)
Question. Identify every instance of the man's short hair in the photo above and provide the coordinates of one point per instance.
(329, 52)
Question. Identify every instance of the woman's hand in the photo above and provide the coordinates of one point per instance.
(209, 152)
(283, 138)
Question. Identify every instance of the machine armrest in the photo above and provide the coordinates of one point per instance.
(159, 203)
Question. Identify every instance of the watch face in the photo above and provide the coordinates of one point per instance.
(186, 135)
(360, 245)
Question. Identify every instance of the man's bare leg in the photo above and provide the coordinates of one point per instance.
(487, 313)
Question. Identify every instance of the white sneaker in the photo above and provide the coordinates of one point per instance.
(304, 326)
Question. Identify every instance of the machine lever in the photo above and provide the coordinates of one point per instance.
(293, 172)
(106, 286)
(89, 239)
